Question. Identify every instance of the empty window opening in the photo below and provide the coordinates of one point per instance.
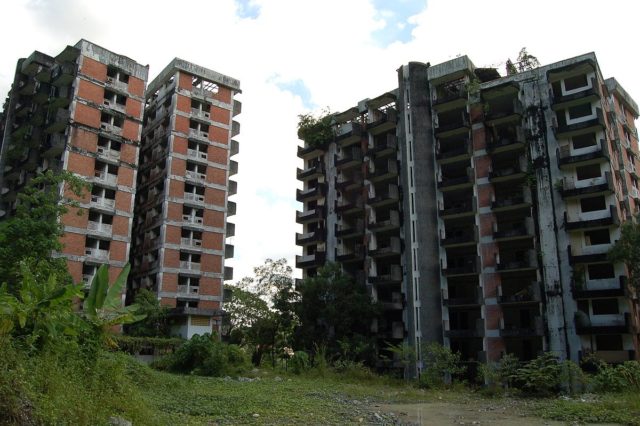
(592, 204)
(575, 82)
(208, 86)
(599, 236)
(111, 98)
(579, 111)
(584, 141)
(116, 74)
(601, 271)
(605, 306)
(609, 342)
(591, 171)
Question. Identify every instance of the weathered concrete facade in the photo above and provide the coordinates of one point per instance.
(511, 192)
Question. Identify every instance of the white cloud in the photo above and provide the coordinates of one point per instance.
(327, 45)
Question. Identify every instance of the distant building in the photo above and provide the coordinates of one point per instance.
(479, 209)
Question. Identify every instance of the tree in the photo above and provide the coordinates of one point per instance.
(156, 321)
(525, 62)
(335, 311)
(315, 131)
(34, 231)
(627, 250)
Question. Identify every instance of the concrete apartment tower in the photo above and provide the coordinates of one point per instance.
(182, 203)
(480, 209)
(79, 111)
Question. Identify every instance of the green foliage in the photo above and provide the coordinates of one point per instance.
(353, 370)
(134, 344)
(299, 362)
(103, 305)
(616, 378)
(156, 320)
(334, 310)
(525, 62)
(441, 365)
(627, 250)
(500, 374)
(206, 356)
(315, 131)
(541, 376)
(35, 229)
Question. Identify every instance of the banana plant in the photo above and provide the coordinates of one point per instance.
(103, 305)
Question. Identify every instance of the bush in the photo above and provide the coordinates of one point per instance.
(353, 370)
(540, 376)
(619, 378)
(441, 365)
(299, 362)
(206, 356)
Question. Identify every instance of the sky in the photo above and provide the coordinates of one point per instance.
(299, 56)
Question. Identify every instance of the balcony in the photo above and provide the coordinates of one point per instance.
(58, 121)
(111, 128)
(311, 194)
(611, 357)
(564, 130)
(233, 167)
(349, 206)
(510, 202)
(592, 93)
(107, 179)
(391, 247)
(115, 83)
(496, 117)
(395, 332)
(396, 303)
(101, 228)
(470, 298)
(568, 157)
(349, 230)
(310, 238)
(197, 113)
(310, 151)
(313, 171)
(190, 242)
(603, 324)
(388, 195)
(507, 141)
(572, 187)
(515, 231)
(189, 265)
(350, 157)
(505, 174)
(190, 197)
(452, 152)
(231, 208)
(198, 135)
(108, 154)
(104, 203)
(348, 133)
(457, 209)
(386, 121)
(347, 181)
(351, 253)
(115, 106)
(393, 222)
(577, 221)
(97, 254)
(450, 98)
(459, 237)
(461, 266)
(457, 182)
(588, 289)
(393, 275)
(194, 176)
(188, 290)
(308, 216)
(229, 251)
(192, 220)
(383, 170)
(527, 295)
(474, 329)
(520, 330)
(310, 260)
(462, 124)
(194, 154)
(386, 146)
(518, 261)
(588, 254)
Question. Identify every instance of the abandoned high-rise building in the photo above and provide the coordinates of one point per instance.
(479, 209)
(79, 111)
(82, 111)
(182, 201)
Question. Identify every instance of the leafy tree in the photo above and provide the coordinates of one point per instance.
(103, 306)
(441, 365)
(525, 62)
(627, 250)
(156, 321)
(34, 231)
(335, 309)
(315, 131)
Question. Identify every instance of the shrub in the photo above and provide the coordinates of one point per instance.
(353, 370)
(299, 362)
(609, 378)
(441, 365)
(540, 376)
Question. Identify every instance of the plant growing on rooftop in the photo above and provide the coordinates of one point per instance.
(315, 131)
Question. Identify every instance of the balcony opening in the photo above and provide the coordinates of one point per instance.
(593, 204)
(584, 141)
(200, 127)
(580, 111)
(106, 145)
(600, 271)
(599, 236)
(612, 342)
(605, 306)
(591, 171)
(100, 218)
(108, 120)
(575, 82)
(117, 74)
(191, 237)
(111, 98)
(189, 285)
(88, 272)
(186, 304)
(200, 83)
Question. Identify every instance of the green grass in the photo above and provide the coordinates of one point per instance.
(623, 408)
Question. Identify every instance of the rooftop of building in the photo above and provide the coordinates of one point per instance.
(106, 56)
